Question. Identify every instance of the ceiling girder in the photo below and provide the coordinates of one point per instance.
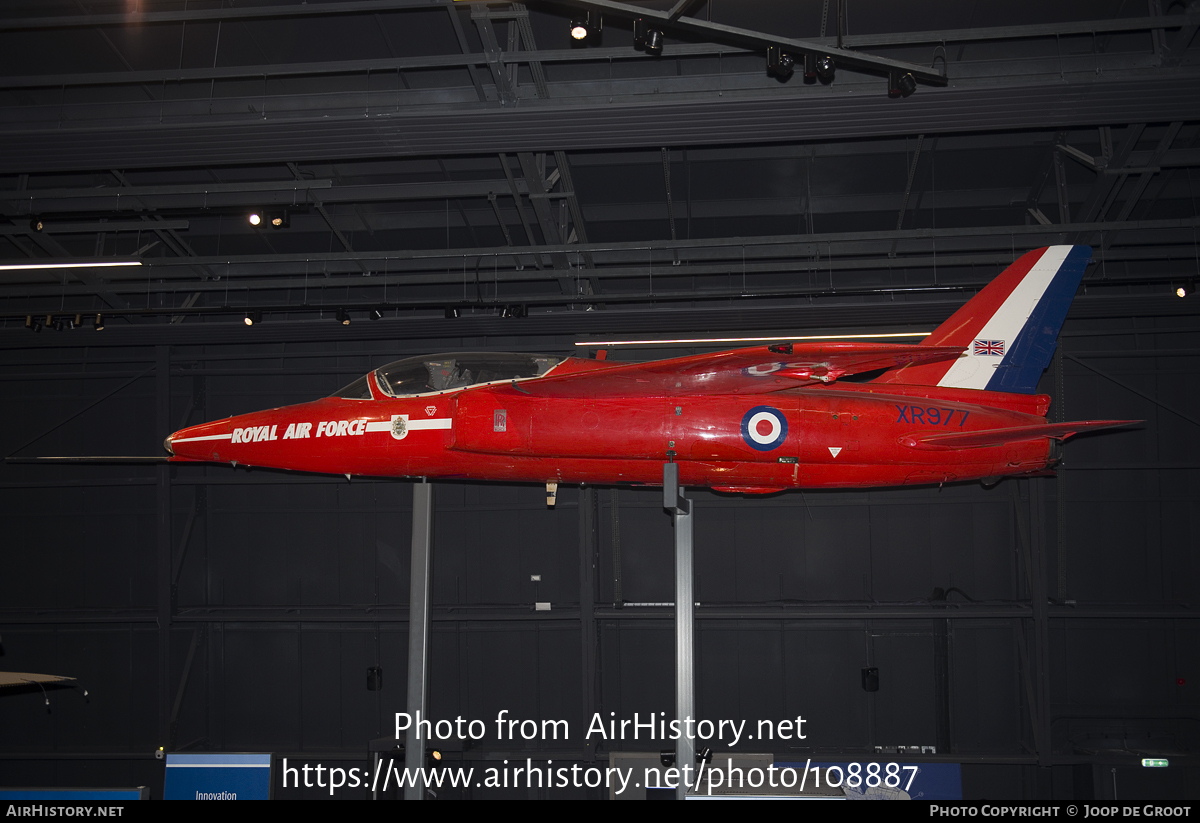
(468, 59)
(853, 274)
(818, 315)
(732, 118)
(827, 251)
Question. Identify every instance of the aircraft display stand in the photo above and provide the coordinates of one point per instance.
(418, 630)
(680, 508)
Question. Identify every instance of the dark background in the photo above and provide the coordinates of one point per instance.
(211, 608)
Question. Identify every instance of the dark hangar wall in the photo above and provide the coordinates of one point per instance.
(290, 586)
(434, 155)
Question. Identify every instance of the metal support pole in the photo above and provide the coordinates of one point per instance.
(589, 538)
(164, 549)
(418, 632)
(685, 637)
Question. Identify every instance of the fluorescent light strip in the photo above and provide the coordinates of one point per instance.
(105, 265)
(751, 339)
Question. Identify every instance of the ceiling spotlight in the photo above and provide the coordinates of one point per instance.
(810, 68)
(654, 41)
(31, 324)
(99, 322)
(343, 317)
(75, 322)
(515, 310)
(451, 312)
(277, 218)
(582, 29)
(647, 38)
(1185, 289)
(901, 85)
(376, 314)
(37, 224)
(255, 218)
(779, 64)
(54, 323)
(825, 68)
(253, 316)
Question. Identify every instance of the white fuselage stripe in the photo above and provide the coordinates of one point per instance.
(205, 437)
(972, 371)
(386, 426)
(413, 424)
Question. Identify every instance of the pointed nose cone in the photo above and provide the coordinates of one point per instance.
(204, 442)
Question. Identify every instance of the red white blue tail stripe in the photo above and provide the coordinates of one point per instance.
(1010, 329)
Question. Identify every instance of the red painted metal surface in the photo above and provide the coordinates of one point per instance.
(754, 420)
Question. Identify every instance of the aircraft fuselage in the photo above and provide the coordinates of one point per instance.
(851, 435)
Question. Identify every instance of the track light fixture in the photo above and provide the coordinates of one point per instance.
(277, 218)
(376, 314)
(55, 323)
(584, 27)
(253, 316)
(825, 68)
(779, 64)
(99, 322)
(37, 224)
(1185, 289)
(75, 322)
(255, 218)
(451, 312)
(810, 68)
(31, 324)
(644, 37)
(515, 310)
(654, 41)
(343, 317)
(901, 85)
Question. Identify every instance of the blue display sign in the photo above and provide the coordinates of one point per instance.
(886, 780)
(218, 777)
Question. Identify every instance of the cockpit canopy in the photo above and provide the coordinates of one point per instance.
(442, 372)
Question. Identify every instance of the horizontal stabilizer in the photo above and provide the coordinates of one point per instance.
(999, 437)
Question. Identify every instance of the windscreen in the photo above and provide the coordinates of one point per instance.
(358, 390)
(441, 372)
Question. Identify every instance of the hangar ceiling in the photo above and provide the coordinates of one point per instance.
(453, 155)
(468, 173)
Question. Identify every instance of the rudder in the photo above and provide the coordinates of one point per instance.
(1010, 329)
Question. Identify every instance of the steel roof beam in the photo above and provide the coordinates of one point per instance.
(666, 246)
(302, 9)
(850, 271)
(597, 55)
(994, 105)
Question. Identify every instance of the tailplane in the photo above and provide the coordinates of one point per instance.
(1009, 330)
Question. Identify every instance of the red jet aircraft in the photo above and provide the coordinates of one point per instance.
(960, 405)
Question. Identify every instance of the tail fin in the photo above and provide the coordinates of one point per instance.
(1010, 329)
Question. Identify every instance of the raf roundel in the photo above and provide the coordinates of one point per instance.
(764, 428)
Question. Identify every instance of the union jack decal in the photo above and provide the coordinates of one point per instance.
(990, 347)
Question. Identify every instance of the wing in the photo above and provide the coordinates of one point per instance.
(998, 437)
(756, 370)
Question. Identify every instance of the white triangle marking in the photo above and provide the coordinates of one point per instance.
(834, 450)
